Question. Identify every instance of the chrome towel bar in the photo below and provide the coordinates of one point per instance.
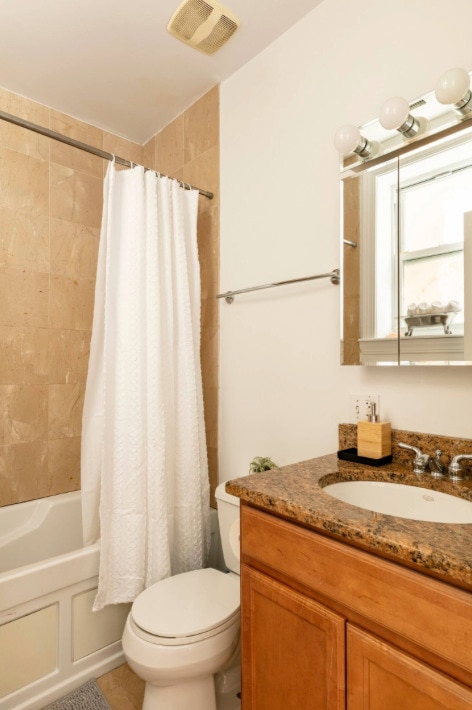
(333, 275)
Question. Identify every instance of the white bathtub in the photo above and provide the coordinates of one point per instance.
(50, 640)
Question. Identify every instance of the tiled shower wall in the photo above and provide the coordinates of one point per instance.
(50, 213)
(188, 149)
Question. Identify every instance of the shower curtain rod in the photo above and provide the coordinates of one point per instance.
(87, 148)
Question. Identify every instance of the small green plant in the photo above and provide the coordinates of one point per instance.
(261, 463)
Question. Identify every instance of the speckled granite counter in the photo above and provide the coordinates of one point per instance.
(296, 493)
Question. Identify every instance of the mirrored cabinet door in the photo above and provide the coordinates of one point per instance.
(434, 242)
(407, 256)
(370, 268)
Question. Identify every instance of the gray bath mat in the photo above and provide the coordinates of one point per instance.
(87, 697)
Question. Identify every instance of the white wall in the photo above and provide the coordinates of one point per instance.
(283, 391)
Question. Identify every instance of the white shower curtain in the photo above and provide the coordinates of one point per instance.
(145, 490)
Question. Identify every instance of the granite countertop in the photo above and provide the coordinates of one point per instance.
(296, 493)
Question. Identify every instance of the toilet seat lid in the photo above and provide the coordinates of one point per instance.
(187, 604)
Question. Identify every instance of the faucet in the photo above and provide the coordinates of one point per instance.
(455, 469)
(436, 466)
(420, 461)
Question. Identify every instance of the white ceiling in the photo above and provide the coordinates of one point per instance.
(113, 64)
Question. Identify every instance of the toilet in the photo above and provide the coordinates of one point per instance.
(184, 630)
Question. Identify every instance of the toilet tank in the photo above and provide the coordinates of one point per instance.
(228, 518)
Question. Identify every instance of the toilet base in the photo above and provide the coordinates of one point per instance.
(198, 694)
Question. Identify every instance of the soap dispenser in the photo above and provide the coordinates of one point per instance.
(374, 438)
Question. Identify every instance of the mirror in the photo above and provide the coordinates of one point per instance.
(407, 243)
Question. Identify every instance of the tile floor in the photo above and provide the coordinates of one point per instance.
(125, 691)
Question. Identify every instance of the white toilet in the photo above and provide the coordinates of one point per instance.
(183, 630)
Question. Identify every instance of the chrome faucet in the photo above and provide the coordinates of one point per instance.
(455, 469)
(420, 461)
(437, 468)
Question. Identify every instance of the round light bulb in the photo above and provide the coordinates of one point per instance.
(394, 113)
(346, 139)
(452, 86)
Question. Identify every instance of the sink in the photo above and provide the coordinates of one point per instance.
(403, 501)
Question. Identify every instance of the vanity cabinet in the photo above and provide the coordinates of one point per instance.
(381, 676)
(293, 648)
(327, 626)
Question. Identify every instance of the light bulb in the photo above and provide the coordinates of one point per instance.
(348, 139)
(395, 115)
(453, 88)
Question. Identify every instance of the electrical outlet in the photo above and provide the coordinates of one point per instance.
(360, 405)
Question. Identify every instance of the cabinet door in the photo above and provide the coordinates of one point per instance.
(380, 677)
(293, 649)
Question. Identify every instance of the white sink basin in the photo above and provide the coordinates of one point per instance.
(403, 501)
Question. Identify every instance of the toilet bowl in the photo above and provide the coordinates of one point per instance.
(183, 630)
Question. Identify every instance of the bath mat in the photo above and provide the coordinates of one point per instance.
(87, 697)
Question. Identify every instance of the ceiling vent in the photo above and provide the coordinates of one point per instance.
(203, 24)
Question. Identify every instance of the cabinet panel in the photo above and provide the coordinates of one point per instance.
(402, 601)
(381, 677)
(293, 649)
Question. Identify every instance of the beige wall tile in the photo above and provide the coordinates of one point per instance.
(211, 415)
(74, 157)
(24, 298)
(23, 184)
(170, 147)
(64, 465)
(65, 410)
(149, 154)
(24, 240)
(34, 355)
(68, 356)
(178, 175)
(8, 490)
(50, 215)
(209, 250)
(20, 139)
(201, 125)
(23, 355)
(24, 410)
(74, 249)
(123, 148)
(28, 470)
(213, 472)
(203, 172)
(71, 303)
(24, 108)
(75, 196)
(209, 340)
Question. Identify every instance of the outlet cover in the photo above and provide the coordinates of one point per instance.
(360, 406)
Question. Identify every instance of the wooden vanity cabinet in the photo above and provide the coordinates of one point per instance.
(381, 676)
(293, 648)
(326, 626)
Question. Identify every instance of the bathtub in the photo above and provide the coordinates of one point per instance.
(50, 640)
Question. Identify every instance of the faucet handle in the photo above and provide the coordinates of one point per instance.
(420, 461)
(455, 469)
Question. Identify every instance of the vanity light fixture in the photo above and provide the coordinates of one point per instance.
(395, 115)
(348, 139)
(453, 87)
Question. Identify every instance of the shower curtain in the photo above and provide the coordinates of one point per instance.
(145, 489)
